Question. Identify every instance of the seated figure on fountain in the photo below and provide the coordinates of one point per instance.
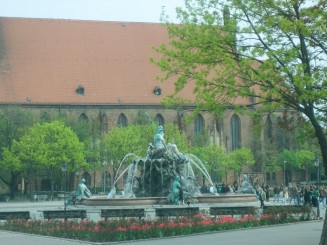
(176, 194)
(246, 187)
(162, 150)
(80, 194)
(82, 191)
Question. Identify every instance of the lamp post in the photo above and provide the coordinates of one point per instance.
(64, 169)
(105, 163)
(284, 174)
(94, 189)
(317, 164)
(77, 172)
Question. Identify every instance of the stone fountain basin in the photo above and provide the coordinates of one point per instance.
(150, 201)
(227, 198)
(142, 201)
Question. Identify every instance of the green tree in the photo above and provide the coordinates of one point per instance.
(289, 36)
(84, 129)
(298, 159)
(14, 122)
(217, 162)
(270, 159)
(214, 159)
(272, 53)
(47, 146)
(240, 158)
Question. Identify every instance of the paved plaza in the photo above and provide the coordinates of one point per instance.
(306, 233)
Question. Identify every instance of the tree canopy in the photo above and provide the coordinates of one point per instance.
(217, 161)
(47, 145)
(271, 54)
(14, 122)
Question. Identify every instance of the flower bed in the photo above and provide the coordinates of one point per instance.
(132, 229)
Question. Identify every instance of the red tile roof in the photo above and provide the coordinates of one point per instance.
(46, 60)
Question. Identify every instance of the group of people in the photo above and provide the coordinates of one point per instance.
(298, 195)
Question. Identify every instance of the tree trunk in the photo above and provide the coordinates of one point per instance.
(322, 141)
(323, 238)
(30, 183)
(12, 185)
(51, 181)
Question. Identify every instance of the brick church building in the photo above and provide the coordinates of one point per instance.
(101, 70)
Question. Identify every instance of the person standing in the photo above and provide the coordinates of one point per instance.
(323, 193)
(297, 196)
(261, 195)
(276, 193)
(267, 191)
(315, 196)
(235, 186)
(294, 196)
(307, 197)
(285, 195)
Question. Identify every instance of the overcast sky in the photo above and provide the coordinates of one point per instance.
(110, 10)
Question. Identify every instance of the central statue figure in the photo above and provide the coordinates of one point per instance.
(159, 143)
(160, 149)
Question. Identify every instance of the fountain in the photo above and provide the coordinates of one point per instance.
(150, 180)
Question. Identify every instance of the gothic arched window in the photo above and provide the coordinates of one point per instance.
(235, 126)
(199, 125)
(160, 120)
(269, 129)
(104, 122)
(122, 121)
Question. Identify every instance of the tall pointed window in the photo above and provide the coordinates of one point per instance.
(104, 122)
(160, 120)
(122, 121)
(235, 126)
(269, 129)
(199, 125)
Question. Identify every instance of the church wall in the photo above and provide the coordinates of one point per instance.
(170, 117)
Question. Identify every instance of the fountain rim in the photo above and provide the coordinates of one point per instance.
(150, 201)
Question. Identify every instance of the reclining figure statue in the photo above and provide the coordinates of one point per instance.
(246, 187)
(81, 193)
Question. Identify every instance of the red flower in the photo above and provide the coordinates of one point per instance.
(248, 218)
(97, 228)
(266, 216)
(227, 219)
(135, 227)
(121, 229)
